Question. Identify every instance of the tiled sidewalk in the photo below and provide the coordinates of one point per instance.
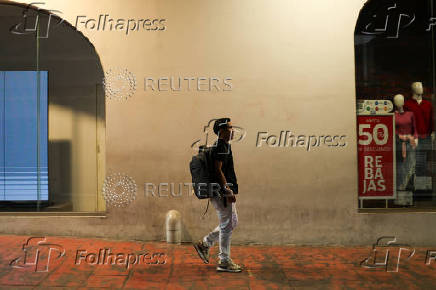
(66, 263)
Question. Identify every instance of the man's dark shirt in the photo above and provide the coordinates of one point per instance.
(222, 151)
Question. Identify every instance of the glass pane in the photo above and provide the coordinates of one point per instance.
(24, 121)
(52, 114)
(395, 86)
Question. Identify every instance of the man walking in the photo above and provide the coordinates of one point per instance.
(224, 203)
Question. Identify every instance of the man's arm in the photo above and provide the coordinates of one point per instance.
(222, 181)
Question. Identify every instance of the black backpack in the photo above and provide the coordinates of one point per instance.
(201, 167)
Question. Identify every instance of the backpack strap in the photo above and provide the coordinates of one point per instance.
(206, 209)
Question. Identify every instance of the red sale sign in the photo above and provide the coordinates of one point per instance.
(376, 156)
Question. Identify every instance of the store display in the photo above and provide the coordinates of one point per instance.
(406, 140)
(423, 112)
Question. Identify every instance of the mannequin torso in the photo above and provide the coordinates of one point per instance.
(423, 111)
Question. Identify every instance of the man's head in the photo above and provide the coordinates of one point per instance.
(223, 128)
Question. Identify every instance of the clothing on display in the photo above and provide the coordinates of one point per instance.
(422, 150)
(405, 167)
(423, 115)
(423, 112)
(406, 133)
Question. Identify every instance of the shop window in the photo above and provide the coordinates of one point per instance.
(52, 114)
(395, 87)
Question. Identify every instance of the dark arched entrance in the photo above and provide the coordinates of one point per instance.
(64, 61)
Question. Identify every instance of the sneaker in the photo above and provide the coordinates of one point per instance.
(228, 266)
(203, 251)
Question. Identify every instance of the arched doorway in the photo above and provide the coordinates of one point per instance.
(67, 134)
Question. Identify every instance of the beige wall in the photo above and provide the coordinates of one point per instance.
(292, 68)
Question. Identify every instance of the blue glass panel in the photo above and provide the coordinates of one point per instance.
(25, 174)
(2, 135)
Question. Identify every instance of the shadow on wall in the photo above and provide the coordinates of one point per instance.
(60, 179)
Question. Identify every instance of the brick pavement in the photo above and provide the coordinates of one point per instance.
(81, 263)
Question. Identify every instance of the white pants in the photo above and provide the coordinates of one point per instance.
(228, 219)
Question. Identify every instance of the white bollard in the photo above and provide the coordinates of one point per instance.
(173, 224)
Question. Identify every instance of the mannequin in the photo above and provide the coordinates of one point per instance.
(423, 112)
(406, 138)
